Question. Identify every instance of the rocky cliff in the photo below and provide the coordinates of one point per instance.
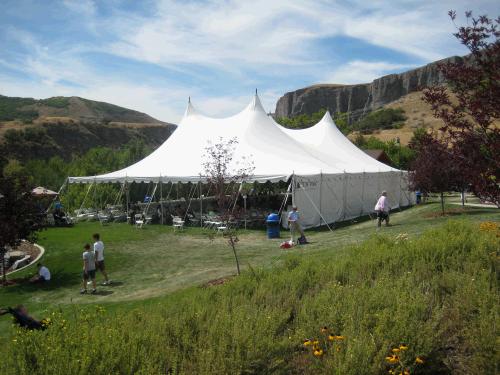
(359, 100)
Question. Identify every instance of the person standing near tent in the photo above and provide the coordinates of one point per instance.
(382, 209)
(88, 269)
(99, 256)
(294, 224)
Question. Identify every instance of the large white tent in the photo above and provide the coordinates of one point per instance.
(331, 178)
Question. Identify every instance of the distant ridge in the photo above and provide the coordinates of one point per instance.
(64, 126)
(360, 99)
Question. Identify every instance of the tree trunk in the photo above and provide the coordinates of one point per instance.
(442, 203)
(233, 246)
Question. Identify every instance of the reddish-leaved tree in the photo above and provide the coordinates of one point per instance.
(469, 133)
(434, 169)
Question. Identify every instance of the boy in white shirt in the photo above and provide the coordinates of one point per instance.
(99, 255)
(43, 274)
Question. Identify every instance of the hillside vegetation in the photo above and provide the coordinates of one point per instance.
(68, 126)
(434, 294)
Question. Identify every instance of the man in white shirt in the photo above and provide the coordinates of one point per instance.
(99, 255)
(382, 209)
(294, 224)
(43, 274)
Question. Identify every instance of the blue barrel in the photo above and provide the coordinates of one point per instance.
(273, 226)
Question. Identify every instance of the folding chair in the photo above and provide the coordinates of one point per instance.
(139, 220)
(177, 223)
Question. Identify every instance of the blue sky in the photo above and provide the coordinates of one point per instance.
(151, 55)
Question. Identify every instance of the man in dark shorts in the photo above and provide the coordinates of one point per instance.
(88, 269)
(99, 256)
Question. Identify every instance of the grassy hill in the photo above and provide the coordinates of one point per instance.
(425, 282)
(63, 126)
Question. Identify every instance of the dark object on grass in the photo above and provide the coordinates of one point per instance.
(23, 319)
(302, 240)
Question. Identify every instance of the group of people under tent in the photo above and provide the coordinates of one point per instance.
(381, 209)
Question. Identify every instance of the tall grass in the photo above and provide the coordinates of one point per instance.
(437, 294)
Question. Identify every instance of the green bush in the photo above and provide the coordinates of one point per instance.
(57, 102)
(386, 118)
(436, 294)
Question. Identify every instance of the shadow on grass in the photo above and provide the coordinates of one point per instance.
(103, 292)
(58, 280)
(114, 284)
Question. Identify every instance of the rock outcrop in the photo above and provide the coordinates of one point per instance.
(358, 100)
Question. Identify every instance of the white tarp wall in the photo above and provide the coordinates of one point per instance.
(336, 197)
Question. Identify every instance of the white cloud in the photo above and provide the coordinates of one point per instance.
(82, 7)
(358, 71)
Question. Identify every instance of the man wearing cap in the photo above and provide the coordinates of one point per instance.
(382, 209)
(293, 223)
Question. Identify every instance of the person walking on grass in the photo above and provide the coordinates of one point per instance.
(382, 209)
(88, 269)
(99, 256)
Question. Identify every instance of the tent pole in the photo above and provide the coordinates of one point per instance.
(320, 194)
(127, 197)
(201, 203)
(316, 208)
(58, 192)
(362, 195)
(161, 200)
(293, 189)
(344, 196)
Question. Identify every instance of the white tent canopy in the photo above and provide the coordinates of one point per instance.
(322, 161)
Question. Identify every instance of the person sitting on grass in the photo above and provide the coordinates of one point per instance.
(23, 319)
(88, 269)
(42, 276)
(99, 256)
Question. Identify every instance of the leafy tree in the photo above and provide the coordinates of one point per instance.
(434, 169)
(18, 214)
(224, 174)
(401, 156)
(469, 133)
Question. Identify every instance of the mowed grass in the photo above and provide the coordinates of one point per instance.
(435, 292)
(155, 261)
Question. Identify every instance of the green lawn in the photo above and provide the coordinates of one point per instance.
(155, 261)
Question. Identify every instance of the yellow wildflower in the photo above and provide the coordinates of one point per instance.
(392, 359)
(403, 347)
(318, 352)
(324, 329)
(396, 350)
(331, 337)
(339, 337)
(315, 342)
(419, 360)
(406, 372)
(307, 342)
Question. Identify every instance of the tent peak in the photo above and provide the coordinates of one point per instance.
(255, 104)
(189, 109)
